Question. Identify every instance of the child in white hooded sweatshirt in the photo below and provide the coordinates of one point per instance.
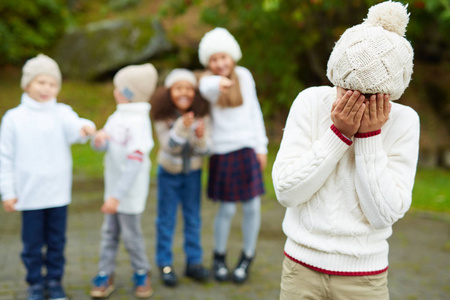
(346, 165)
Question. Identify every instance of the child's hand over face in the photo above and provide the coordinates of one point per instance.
(110, 206)
(100, 138)
(8, 205)
(87, 130)
(347, 111)
(225, 84)
(188, 119)
(376, 113)
(200, 129)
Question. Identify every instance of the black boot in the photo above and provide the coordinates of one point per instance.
(197, 272)
(168, 276)
(240, 273)
(220, 269)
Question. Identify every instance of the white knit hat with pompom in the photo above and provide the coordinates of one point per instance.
(374, 57)
(218, 40)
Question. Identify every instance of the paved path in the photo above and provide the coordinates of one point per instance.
(419, 256)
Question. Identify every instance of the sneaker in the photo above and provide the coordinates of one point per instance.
(36, 292)
(102, 285)
(142, 286)
(55, 290)
(240, 273)
(197, 272)
(168, 276)
(220, 269)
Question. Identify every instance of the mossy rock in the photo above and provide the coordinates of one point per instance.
(100, 48)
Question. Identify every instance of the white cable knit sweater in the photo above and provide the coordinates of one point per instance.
(342, 200)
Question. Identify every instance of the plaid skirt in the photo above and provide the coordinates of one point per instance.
(235, 176)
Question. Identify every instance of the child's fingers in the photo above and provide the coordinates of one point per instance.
(387, 105)
(380, 105)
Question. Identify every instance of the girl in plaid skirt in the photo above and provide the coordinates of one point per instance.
(239, 147)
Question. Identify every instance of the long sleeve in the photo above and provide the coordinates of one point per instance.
(304, 163)
(7, 181)
(171, 139)
(385, 178)
(209, 88)
(73, 124)
(203, 145)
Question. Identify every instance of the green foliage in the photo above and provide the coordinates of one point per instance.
(286, 43)
(29, 27)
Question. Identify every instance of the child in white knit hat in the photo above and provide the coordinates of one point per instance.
(182, 124)
(36, 172)
(127, 140)
(239, 148)
(346, 165)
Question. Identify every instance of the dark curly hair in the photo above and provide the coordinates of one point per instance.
(163, 107)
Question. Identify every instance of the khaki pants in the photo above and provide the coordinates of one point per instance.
(299, 282)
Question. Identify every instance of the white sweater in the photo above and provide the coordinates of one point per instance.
(35, 154)
(130, 130)
(342, 200)
(239, 127)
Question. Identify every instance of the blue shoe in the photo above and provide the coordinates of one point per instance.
(55, 290)
(36, 292)
(102, 285)
(142, 286)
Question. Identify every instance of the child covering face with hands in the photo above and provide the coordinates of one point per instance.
(346, 164)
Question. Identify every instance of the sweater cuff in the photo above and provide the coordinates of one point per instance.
(340, 135)
(368, 134)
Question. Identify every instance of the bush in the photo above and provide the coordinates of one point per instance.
(29, 27)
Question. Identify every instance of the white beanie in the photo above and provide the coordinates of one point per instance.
(374, 57)
(178, 75)
(136, 82)
(218, 40)
(39, 65)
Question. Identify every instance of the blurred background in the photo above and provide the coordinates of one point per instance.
(286, 45)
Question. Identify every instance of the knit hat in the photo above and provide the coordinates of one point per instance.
(39, 65)
(216, 41)
(136, 82)
(374, 57)
(178, 75)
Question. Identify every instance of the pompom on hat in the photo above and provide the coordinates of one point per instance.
(136, 82)
(39, 65)
(218, 40)
(180, 75)
(374, 57)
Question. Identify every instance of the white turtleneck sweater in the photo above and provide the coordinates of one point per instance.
(130, 132)
(35, 154)
(342, 200)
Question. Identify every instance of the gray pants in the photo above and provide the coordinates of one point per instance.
(130, 228)
(251, 223)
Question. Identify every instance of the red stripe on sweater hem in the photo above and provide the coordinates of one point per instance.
(368, 134)
(339, 273)
(340, 135)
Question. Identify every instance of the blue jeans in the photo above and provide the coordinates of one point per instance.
(174, 189)
(44, 227)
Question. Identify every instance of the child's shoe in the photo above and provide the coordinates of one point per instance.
(168, 276)
(220, 269)
(103, 285)
(36, 292)
(197, 272)
(142, 286)
(55, 290)
(240, 273)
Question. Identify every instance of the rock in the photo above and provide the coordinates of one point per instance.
(104, 47)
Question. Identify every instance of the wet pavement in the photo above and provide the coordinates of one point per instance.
(419, 255)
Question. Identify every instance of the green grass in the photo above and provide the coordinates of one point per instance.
(95, 101)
